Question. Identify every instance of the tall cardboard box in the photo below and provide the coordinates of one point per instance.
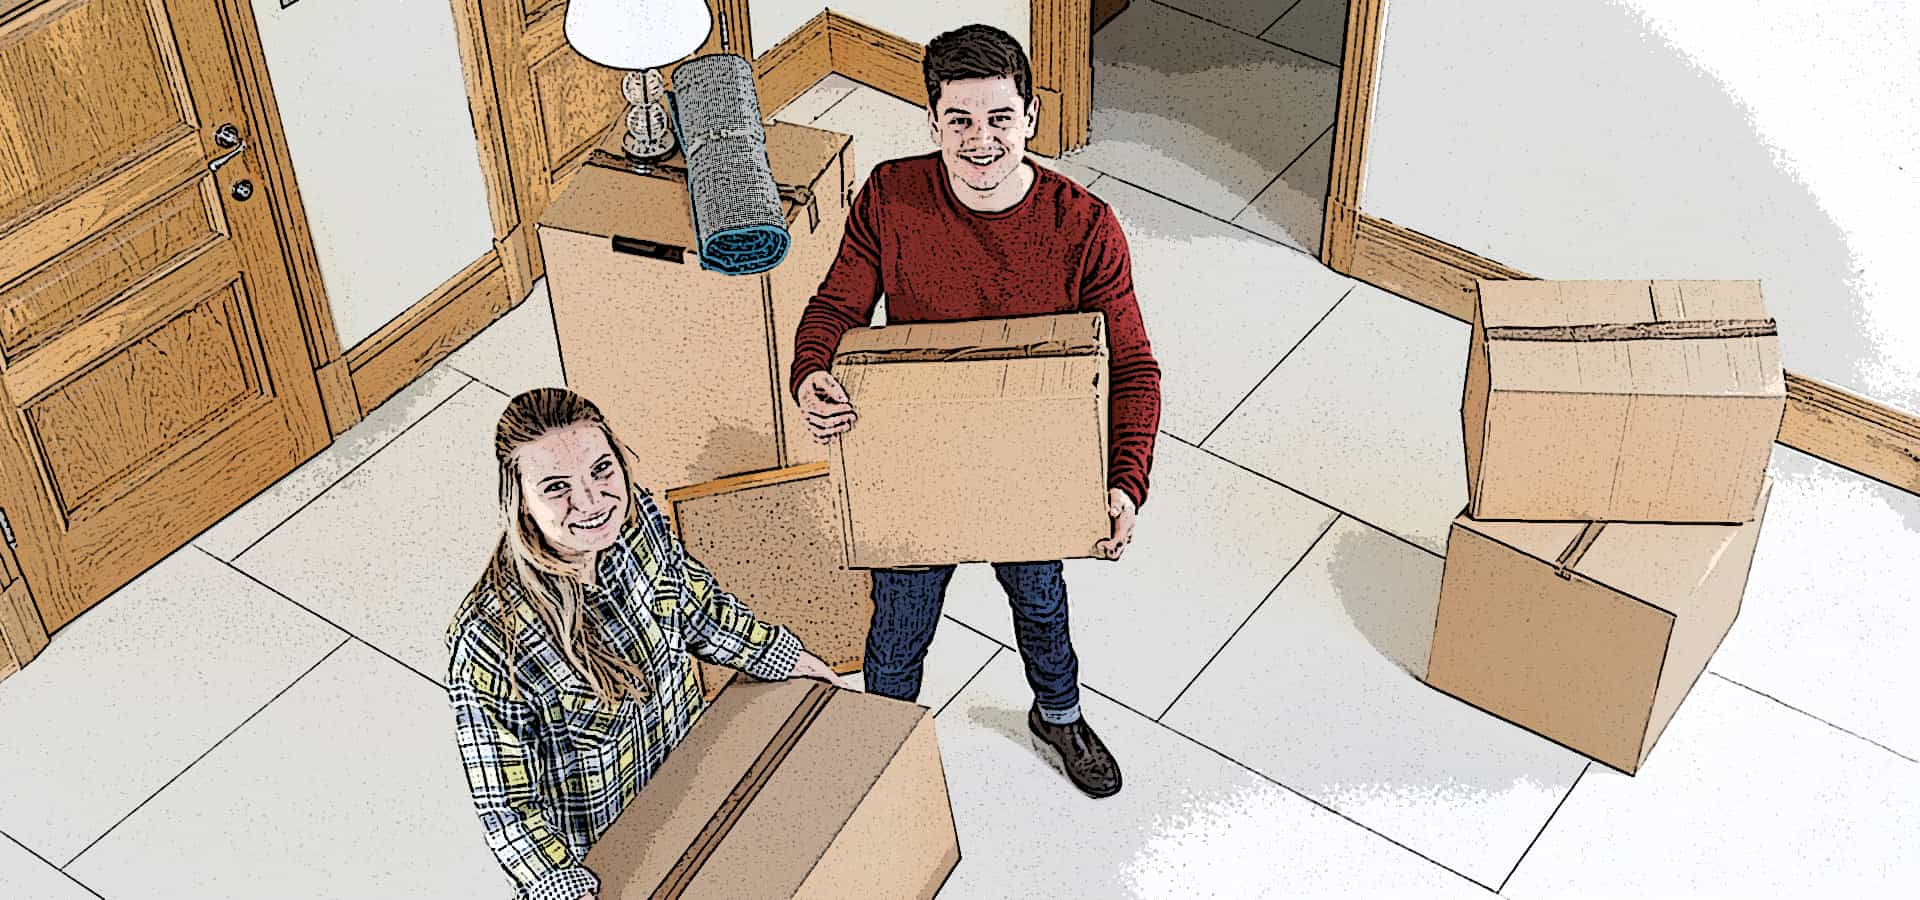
(773, 540)
(1620, 401)
(690, 366)
(789, 789)
(977, 441)
(1589, 634)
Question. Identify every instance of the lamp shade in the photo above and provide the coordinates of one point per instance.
(637, 34)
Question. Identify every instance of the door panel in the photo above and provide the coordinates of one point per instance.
(153, 374)
(106, 57)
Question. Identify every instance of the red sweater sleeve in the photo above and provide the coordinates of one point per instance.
(1133, 401)
(848, 294)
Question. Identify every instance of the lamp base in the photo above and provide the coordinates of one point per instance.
(649, 138)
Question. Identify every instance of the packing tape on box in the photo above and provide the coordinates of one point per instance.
(1694, 329)
(1051, 347)
(1577, 549)
(748, 787)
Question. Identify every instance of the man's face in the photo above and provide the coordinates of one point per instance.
(982, 129)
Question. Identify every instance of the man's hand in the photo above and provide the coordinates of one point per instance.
(825, 402)
(1120, 508)
(811, 666)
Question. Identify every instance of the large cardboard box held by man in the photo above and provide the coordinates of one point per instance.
(976, 441)
(1590, 634)
(1620, 401)
(788, 789)
(773, 540)
(690, 365)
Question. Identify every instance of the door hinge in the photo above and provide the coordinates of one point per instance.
(724, 42)
(6, 530)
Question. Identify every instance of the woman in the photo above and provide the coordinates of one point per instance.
(572, 670)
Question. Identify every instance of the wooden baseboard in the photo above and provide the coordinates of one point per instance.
(337, 396)
(1853, 432)
(791, 67)
(1822, 420)
(419, 339)
(880, 60)
(1420, 268)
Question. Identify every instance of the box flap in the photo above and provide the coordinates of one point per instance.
(1032, 337)
(651, 836)
(1660, 565)
(1672, 338)
(604, 202)
(1664, 565)
(1540, 302)
(1544, 541)
(807, 802)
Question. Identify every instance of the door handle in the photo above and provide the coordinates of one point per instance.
(227, 136)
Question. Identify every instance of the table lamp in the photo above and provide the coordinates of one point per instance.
(640, 36)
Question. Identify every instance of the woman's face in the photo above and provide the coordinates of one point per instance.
(573, 487)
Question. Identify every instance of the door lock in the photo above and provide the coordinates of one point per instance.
(242, 189)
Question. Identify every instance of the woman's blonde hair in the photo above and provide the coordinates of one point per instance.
(524, 559)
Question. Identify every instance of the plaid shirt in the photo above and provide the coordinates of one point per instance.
(552, 767)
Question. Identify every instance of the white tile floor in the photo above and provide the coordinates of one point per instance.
(260, 714)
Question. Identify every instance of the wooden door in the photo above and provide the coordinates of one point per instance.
(555, 104)
(153, 373)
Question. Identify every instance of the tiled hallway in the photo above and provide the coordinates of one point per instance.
(262, 714)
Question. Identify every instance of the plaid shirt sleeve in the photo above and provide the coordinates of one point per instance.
(500, 775)
(721, 630)
(718, 627)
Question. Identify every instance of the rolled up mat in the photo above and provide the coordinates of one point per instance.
(737, 220)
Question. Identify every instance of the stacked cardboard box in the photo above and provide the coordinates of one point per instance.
(690, 365)
(978, 441)
(1617, 436)
(789, 789)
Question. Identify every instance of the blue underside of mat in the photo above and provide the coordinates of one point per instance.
(747, 250)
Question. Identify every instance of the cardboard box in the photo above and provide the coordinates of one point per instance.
(773, 540)
(1620, 401)
(1589, 634)
(789, 789)
(977, 441)
(690, 366)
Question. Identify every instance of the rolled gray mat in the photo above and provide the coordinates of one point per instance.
(737, 220)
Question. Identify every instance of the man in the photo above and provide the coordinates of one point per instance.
(975, 231)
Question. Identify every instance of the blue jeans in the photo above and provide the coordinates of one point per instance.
(906, 608)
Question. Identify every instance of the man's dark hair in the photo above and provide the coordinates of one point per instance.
(976, 51)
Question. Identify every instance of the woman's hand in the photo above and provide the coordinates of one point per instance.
(811, 666)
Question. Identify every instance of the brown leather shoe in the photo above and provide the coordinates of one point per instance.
(1089, 766)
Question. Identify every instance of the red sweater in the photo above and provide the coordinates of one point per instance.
(1058, 250)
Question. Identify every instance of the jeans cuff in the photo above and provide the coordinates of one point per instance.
(1060, 717)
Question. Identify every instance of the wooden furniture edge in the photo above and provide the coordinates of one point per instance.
(747, 481)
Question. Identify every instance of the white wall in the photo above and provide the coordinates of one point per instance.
(1770, 139)
(375, 109)
(920, 22)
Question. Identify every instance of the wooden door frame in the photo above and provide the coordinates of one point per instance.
(1839, 426)
(267, 137)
